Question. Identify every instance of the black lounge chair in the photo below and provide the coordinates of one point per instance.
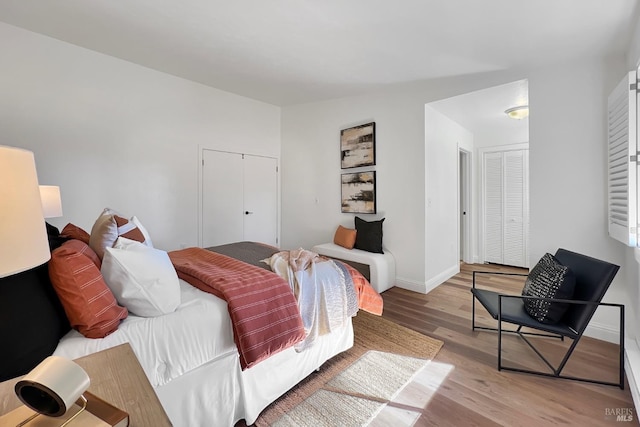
(593, 278)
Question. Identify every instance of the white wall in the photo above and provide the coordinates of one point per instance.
(494, 139)
(568, 185)
(311, 171)
(311, 166)
(443, 138)
(567, 159)
(112, 133)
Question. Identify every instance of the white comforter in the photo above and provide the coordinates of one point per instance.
(167, 346)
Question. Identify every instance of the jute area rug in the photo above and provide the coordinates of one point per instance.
(357, 383)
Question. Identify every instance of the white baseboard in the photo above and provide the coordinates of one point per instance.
(442, 277)
(632, 369)
(602, 332)
(431, 284)
(411, 285)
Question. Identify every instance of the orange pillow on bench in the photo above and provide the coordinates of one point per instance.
(345, 237)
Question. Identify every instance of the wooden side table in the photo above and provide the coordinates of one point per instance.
(117, 377)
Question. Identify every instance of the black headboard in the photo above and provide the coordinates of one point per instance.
(32, 320)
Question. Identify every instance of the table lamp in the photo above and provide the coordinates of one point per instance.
(56, 383)
(51, 202)
(23, 236)
(52, 388)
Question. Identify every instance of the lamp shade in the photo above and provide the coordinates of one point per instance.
(51, 202)
(23, 235)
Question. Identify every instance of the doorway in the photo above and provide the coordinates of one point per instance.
(460, 130)
(464, 205)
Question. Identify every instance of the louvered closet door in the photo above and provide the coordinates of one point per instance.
(514, 238)
(505, 202)
(493, 206)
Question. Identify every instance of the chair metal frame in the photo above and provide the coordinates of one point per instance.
(575, 336)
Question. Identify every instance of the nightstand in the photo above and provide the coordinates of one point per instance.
(117, 377)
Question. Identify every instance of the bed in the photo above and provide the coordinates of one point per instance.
(190, 355)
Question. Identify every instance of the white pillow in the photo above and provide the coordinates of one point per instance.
(141, 278)
(145, 233)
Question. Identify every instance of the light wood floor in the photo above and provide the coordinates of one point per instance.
(474, 393)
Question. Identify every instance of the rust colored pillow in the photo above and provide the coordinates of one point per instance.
(345, 237)
(89, 304)
(89, 253)
(108, 227)
(74, 232)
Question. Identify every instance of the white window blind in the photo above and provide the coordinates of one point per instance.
(622, 166)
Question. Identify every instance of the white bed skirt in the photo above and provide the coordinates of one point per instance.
(219, 393)
(191, 361)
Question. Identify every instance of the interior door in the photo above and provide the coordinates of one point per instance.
(260, 199)
(239, 198)
(222, 198)
(506, 206)
(514, 238)
(493, 203)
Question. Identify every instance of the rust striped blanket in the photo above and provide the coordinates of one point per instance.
(263, 310)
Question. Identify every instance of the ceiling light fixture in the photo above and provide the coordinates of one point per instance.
(518, 113)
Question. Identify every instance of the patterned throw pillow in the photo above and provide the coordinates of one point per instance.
(548, 279)
(111, 225)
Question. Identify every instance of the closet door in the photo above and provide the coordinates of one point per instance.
(514, 231)
(493, 206)
(222, 198)
(260, 199)
(506, 201)
(239, 198)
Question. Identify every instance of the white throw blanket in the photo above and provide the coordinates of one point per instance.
(320, 289)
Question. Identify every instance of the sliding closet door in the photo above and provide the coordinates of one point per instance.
(239, 198)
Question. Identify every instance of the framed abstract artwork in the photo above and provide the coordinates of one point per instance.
(359, 192)
(358, 146)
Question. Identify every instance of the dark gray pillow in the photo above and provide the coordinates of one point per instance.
(369, 235)
(548, 279)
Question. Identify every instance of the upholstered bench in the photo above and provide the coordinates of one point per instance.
(382, 267)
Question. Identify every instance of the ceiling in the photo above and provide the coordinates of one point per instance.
(483, 112)
(294, 51)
